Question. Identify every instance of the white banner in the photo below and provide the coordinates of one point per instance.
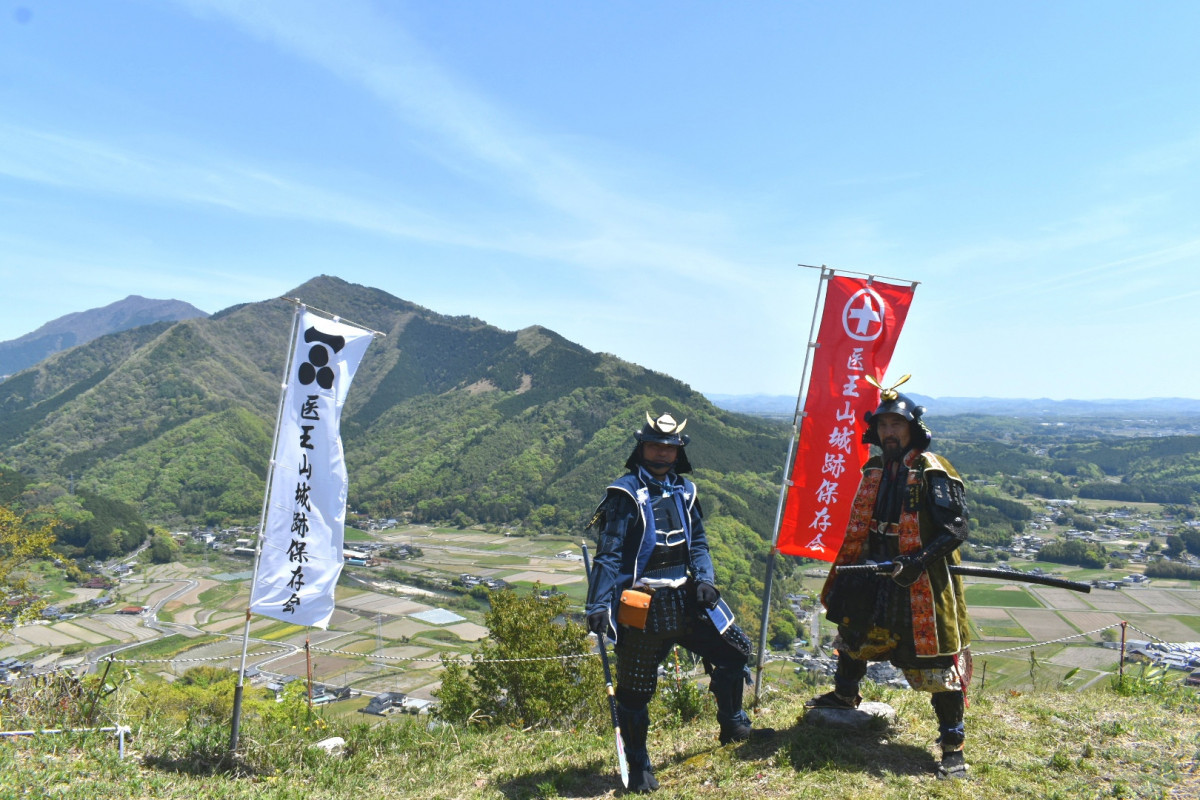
(301, 550)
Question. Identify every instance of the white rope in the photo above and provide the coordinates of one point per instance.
(188, 660)
(473, 660)
(457, 660)
(1151, 635)
(349, 653)
(1039, 644)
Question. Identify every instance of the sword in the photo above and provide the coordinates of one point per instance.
(886, 567)
(622, 764)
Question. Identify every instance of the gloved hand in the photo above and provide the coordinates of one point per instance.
(707, 595)
(907, 569)
(597, 622)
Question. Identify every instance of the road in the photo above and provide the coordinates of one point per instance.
(149, 620)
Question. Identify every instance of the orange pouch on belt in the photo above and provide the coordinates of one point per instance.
(633, 608)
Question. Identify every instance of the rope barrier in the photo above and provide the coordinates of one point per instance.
(458, 660)
(571, 657)
(1040, 644)
(1143, 633)
(350, 653)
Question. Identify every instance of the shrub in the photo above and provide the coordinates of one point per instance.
(533, 671)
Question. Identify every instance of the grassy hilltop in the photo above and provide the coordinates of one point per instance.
(1139, 741)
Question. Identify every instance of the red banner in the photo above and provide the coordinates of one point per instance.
(860, 324)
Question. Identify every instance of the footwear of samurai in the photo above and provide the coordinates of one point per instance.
(834, 700)
(953, 766)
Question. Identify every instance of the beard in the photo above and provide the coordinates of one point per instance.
(892, 451)
(658, 467)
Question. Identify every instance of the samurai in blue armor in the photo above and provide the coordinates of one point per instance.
(650, 537)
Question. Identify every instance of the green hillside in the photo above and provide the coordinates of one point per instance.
(450, 419)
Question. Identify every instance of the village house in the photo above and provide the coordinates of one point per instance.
(385, 703)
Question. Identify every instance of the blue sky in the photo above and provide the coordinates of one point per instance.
(643, 178)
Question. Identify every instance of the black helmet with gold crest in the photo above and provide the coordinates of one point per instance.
(661, 430)
(892, 402)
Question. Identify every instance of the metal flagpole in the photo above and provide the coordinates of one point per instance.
(262, 527)
(797, 420)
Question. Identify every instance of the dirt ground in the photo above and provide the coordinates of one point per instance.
(1091, 620)
(1097, 658)
(468, 631)
(985, 613)
(186, 605)
(1043, 624)
(1061, 599)
(546, 578)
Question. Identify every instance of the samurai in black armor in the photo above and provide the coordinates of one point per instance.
(650, 537)
(909, 511)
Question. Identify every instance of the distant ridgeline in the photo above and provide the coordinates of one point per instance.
(1161, 469)
(449, 419)
(84, 326)
(1011, 462)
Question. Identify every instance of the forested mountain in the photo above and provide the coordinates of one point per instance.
(84, 326)
(448, 419)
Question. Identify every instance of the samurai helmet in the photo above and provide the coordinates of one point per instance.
(892, 402)
(661, 430)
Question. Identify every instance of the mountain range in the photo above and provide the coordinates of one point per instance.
(84, 326)
(784, 406)
(449, 418)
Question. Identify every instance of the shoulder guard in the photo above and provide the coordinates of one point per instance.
(608, 506)
(934, 462)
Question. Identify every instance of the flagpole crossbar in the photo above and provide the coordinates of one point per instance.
(870, 276)
(332, 315)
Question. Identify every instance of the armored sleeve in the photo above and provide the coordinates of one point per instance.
(612, 521)
(947, 502)
(701, 561)
(944, 499)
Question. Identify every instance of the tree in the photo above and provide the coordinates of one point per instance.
(782, 633)
(534, 670)
(1075, 552)
(1174, 547)
(20, 544)
(162, 549)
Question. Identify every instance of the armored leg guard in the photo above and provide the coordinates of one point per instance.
(948, 706)
(726, 685)
(635, 724)
(850, 672)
